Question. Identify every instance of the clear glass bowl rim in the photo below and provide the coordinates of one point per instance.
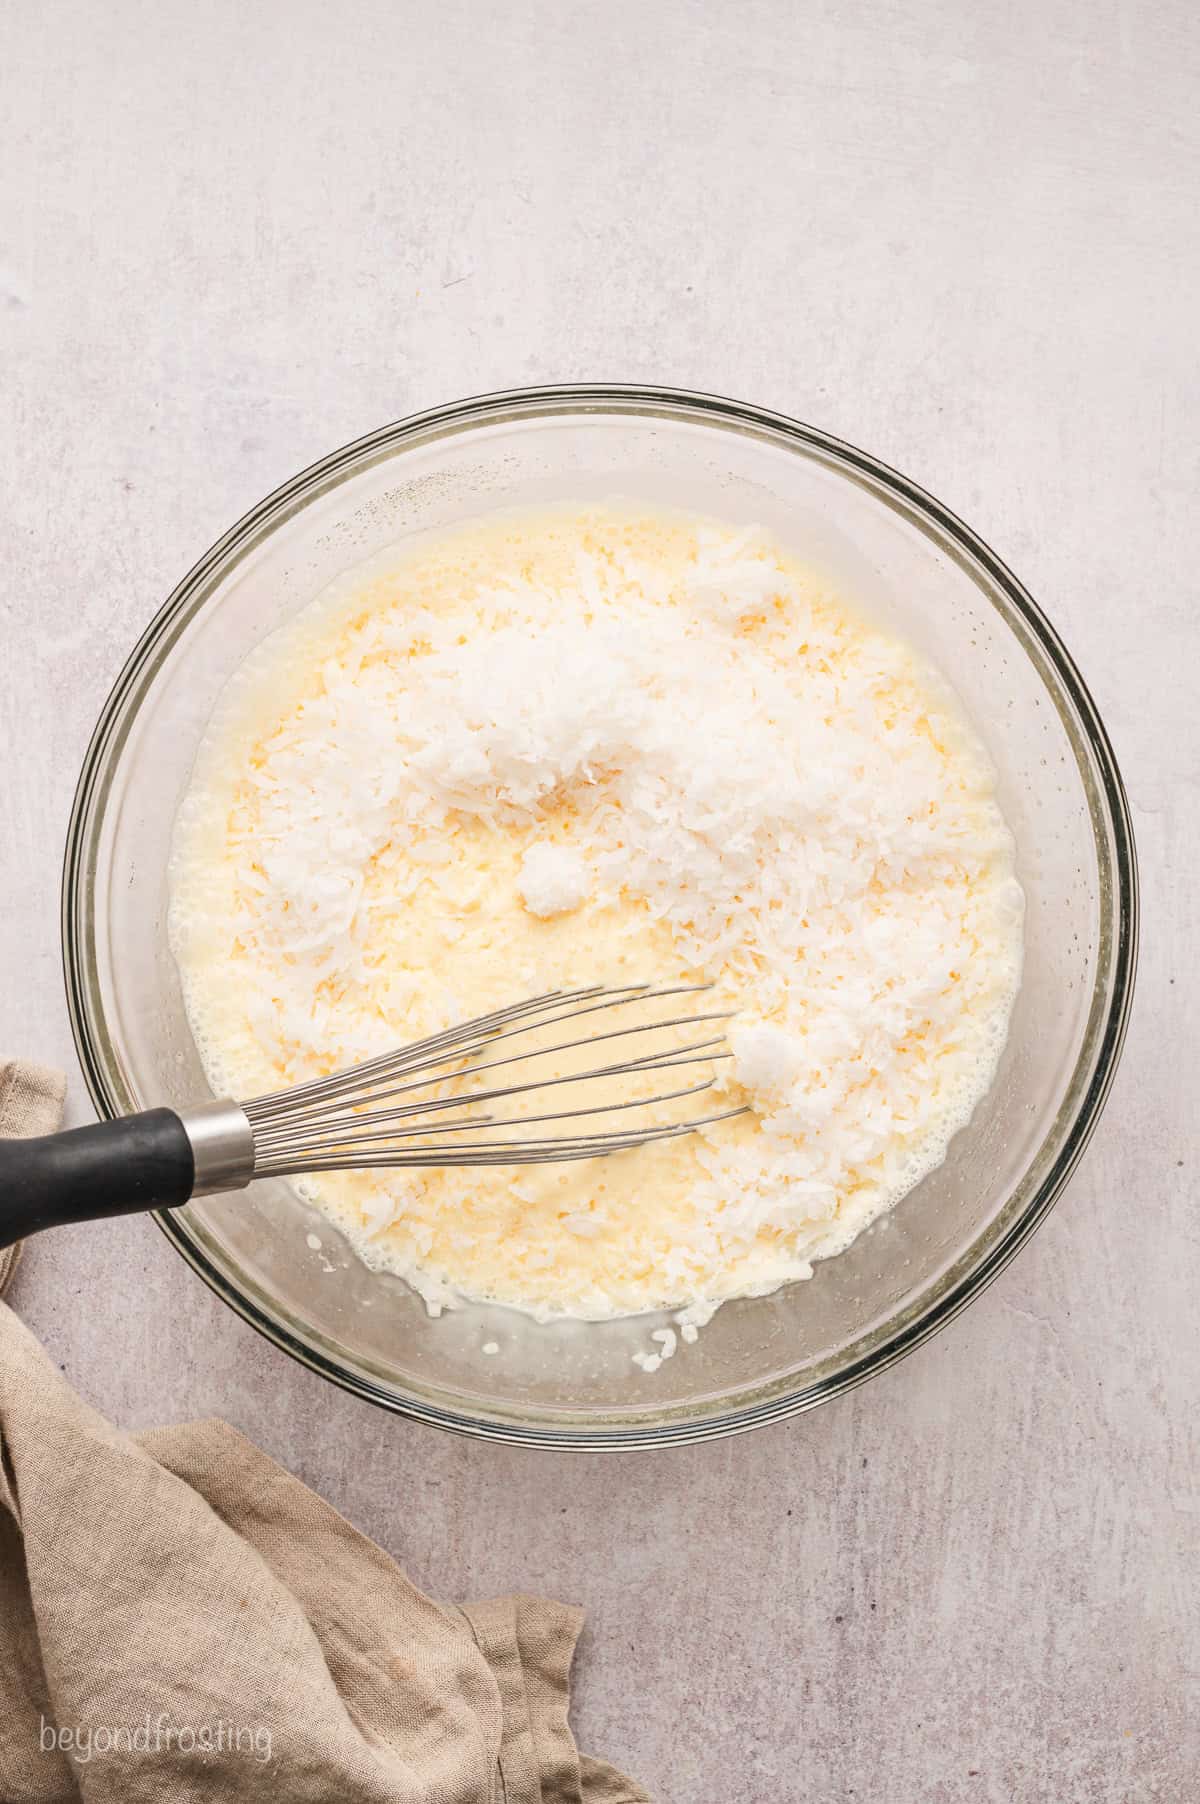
(1102, 1046)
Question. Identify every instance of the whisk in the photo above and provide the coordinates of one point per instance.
(427, 1104)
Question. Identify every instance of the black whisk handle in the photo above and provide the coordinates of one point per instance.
(112, 1168)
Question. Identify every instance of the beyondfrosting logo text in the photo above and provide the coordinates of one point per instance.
(84, 1743)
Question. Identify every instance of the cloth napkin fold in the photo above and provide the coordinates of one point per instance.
(181, 1619)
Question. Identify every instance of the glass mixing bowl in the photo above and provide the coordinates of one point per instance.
(904, 559)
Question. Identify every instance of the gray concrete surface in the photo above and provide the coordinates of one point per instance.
(232, 237)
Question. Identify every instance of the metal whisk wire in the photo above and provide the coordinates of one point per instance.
(337, 1122)
(425, 1104)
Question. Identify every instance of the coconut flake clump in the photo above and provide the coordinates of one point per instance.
(553, 880)
(766, 1059)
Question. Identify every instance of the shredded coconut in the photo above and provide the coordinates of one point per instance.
(553, 880)
(571, 749)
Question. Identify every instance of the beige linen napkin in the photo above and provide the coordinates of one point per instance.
(182, 1619)
(31, 1100)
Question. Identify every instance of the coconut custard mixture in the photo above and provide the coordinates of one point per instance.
(599, 746)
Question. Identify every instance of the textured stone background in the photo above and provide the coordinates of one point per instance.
(232, 237)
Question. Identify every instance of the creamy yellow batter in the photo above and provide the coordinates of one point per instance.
(757, 789)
